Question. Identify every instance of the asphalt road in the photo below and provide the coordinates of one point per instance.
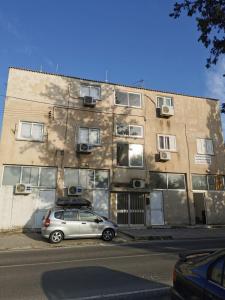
(140, 270)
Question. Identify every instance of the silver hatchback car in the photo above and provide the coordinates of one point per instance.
(61, 223)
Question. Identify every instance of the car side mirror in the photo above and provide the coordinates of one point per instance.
(98, 220)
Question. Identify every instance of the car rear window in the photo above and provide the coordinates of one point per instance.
(59, 215)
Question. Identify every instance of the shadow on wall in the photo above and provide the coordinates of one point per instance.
(93, 281)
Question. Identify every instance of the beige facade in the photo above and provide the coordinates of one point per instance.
(51, 105)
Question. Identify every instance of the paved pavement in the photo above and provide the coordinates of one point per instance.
(175, 233)
(33, 240)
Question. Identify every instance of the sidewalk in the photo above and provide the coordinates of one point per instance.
(175, 233)
(32, 240)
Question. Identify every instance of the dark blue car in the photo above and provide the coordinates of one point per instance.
(200, 275)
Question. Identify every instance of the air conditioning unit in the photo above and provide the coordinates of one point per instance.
(89, 101)
(167, 111)
(74, 190)
(84, 148)
(23, 189)
(164, 156)
(138, 183)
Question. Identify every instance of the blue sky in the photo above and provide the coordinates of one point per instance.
(132, 39)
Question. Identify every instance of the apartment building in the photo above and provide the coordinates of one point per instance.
(142, 157)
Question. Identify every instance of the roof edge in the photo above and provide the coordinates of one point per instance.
(112, 83)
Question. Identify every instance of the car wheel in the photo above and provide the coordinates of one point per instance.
(56, 237)
(108, 235)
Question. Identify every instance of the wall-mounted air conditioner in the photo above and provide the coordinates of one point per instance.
(164, 155)
(84, 148)
(138, 183)
(23, 189)
(89, 101)
(74, 190)
(166, 111)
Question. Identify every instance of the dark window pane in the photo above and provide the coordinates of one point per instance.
(11, 175)
(59, 215)
(217, 271)
(211, 182)
(158, 181)
(122, 154)
(70, 215)
(121, 98)
(176, 181)
(122, 129)
(199, 182)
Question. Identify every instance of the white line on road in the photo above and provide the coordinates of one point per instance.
(82, 260)
(154, 290)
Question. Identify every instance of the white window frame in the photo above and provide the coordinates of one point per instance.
(39, 174)
(129, 135)
(89, 86)
(128, 154)
(19, 137)
(209, 150)
(89, 129)
(167, 182)
(94, 181)
(164, 137)
(128, 105)
(164, 101)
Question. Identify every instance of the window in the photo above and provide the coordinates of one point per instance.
(87, 178)
(70, 215)
(87, 216)
(170, 181)
(130, 155)
(216, 271)
(167, 142)
(90, 90)
(205, 146)
(129, 130)
(208, 182)
(89, 136)
(36, 176)
(31, 131)
(128, 99)
(164, 101)
(59, 215)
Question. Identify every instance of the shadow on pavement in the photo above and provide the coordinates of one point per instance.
(92, 281)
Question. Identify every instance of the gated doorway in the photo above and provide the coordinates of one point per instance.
(199, 205)
(130, 209)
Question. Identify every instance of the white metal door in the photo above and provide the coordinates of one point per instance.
(101, 202)
(156, 208)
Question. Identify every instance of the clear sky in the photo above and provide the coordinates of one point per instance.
(132, 39)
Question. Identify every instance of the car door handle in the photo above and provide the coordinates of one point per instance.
(63, 222)
(83, 223)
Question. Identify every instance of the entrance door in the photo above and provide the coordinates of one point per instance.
(130, 209)
(199, 204)
(156, 208)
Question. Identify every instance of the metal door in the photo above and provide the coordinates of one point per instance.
(156, 208)
(130, 209)
(200, 211)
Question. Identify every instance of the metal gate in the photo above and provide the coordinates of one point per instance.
(130, 209)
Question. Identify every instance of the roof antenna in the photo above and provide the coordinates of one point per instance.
(106, 76)
(41, 68)
(56, 69)
(139, 83)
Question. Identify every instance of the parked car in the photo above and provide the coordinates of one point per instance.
(200, 275)
(67, 223)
